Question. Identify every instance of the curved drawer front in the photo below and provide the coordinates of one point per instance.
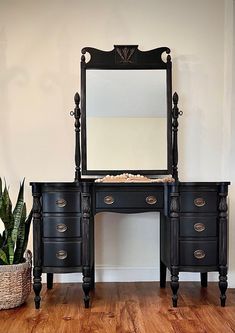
(61, 202)
(198, 226)
(61, 226)
(62, 254)
(129, 199)
(198, 202)
(198, 253)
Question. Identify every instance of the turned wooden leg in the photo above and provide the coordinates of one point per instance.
(204, 280)
(93, 277)
(223, 284)
(174, 285)
(86, 285)
(37, 285)
(162, 275)
(49, 280)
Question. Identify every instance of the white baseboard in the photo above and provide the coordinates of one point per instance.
(128, 274)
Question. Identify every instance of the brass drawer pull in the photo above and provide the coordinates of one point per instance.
(151, 199)
(61, 254)
(199, 227)
(61, 203)
(109, 199)
(199, 202)
(199, 254)
(61, 227)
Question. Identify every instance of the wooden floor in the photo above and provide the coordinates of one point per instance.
(124, 308)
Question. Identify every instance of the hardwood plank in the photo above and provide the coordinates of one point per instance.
(124, 308)
(129, 315)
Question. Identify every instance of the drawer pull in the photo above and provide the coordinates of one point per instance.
(199, 227)
(199, 202)
(151, 199)
(61, 203)
(61, 227)
(109, 200)
(61, 254)
(199, 254)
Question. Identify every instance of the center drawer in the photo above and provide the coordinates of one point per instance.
(61, 226)
(129, 199)
(62, 254)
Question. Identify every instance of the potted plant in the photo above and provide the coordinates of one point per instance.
(15, 261)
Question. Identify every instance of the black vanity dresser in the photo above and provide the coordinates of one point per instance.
(193, 216)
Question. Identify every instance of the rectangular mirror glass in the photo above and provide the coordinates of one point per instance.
(126, 119)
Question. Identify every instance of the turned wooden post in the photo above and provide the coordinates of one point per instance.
(77, 113)
(175, 115)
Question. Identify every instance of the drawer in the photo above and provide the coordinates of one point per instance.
(61, 202)
(198, 202)
(62, 254)
(129, 199)
(198, 226)
(61, 226)
(198, 253)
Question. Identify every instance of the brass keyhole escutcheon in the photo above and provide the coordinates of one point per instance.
(199, 202)
(109, 199)
(151, 199)
(61, 203)
(61, 227)
(199, 254)
(199, 227)
(61, 254)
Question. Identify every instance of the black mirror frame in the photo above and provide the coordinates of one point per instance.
(124, 57)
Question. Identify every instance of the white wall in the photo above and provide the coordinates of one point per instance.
(230, 117)
(40, 46)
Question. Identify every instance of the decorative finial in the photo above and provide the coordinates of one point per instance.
(77, 99)
(168, 58)
(83, 58)
(175, 98)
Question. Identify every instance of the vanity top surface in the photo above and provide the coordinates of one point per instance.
(87, 180)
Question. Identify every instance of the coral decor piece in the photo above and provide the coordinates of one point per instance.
(129, 178)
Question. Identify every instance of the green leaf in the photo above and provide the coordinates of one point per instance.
(4, 237)
(16, 233)
(6, 211)
(1, 241)
(0, 196)
(1, 206)
(3, 257)
(0, 186)
(27, 229)
(10, 246)
(19, 252)
(18, 212)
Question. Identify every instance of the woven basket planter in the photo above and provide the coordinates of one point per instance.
(15, 283)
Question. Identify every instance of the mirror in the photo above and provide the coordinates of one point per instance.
(126, 117)
(126, 111)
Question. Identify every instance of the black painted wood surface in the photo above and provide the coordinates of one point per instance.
(61, 202)
(187, 250)
(72, 250)
(55, 225)
(127, 57)
(190, 225)
(179, 240)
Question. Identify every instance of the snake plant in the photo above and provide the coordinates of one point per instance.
(14, 238)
